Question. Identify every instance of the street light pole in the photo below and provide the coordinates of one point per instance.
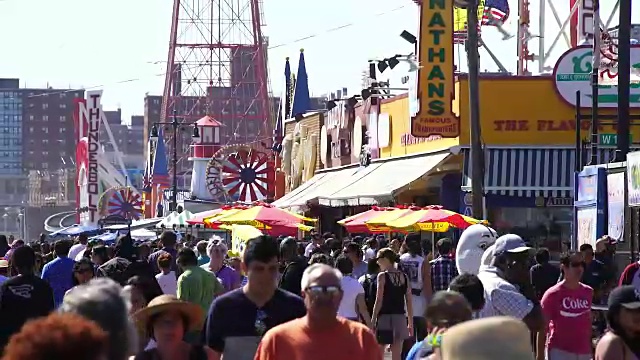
(175, 125)
(477, 158)
(174, 184)
(624, 80)
(21, 232)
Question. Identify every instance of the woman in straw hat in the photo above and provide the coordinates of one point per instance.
(166, 320)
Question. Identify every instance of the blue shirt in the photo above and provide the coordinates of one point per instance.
(203, 259)
(59, 274)
(419, 351)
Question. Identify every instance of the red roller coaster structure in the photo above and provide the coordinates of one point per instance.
(217, 66)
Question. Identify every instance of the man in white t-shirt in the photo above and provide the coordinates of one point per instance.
(167, 278)
(507, 285)
(316, 242)
(77, 250)
(370, 249)
(352, 305)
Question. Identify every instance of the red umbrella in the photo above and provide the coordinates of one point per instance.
(357, 222)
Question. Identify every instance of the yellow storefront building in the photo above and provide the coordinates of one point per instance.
(529, 139)
(405, 170)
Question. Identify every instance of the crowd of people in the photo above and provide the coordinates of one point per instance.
(342, 299)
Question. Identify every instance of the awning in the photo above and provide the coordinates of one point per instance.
(286, 199)
(384, 182)
(530, 172)
(332, 181)
(525, 172)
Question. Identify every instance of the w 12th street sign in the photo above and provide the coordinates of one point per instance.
(572, 73)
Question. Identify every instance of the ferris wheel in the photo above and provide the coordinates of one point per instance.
(239, 173)
(121, 201)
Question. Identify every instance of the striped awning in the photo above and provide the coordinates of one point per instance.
(529, 172)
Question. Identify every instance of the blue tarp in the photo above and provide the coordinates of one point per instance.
(75, 230)
(107, 238)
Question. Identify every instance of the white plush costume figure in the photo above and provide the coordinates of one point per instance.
(470, 253)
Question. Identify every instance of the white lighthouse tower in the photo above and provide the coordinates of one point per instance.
(204, 148)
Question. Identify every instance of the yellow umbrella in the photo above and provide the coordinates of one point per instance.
(214, 220)
(379, 223)
(432, 218)
(263, 215)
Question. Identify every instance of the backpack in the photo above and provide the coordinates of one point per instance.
(118, 269)
(370, 285)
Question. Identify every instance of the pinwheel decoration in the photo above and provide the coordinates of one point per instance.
(122, 201)
(239, 173)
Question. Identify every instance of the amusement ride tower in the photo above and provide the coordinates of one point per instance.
(217, 67)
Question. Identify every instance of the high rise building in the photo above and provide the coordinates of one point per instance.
(49, 145)
(11, 144)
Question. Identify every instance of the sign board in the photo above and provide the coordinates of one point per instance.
(435, 84)
(633, 178)
(384, 127)
(114, 220)
(587, 187)
(586, 226)
(585, 22)
(615, 205)
(90, 113)
(572, 73)
(611, 139)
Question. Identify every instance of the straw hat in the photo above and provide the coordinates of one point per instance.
(192, 312)
(488, 339)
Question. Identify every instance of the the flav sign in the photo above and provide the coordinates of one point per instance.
(573, 73)
(435, 78)
(543, 125)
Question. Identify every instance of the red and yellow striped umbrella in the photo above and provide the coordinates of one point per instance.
(213, 222)
(263, 216)
(357, 223)
(379, 223)
(433, 218)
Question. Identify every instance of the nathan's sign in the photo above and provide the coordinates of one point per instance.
(90, 112)
(435, 77)
(573, 73)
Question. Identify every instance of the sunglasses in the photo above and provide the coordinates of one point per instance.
(323, 290)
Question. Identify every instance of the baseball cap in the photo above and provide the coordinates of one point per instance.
(510, 243)
(4, 264)
(626, 296)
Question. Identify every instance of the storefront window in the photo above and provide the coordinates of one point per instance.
(548, 227)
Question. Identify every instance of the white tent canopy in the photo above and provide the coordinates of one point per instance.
(175, 220)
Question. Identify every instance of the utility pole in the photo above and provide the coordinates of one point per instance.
(595, 136)
(624, 79)
(477, 157)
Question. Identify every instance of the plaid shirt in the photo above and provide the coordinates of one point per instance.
(443, 270)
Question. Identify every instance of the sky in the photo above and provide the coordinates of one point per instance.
(120, 46)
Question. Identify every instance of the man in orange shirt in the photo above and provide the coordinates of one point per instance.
(321, 334)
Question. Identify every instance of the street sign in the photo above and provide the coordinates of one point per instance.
(572, 73)
(610, 139)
